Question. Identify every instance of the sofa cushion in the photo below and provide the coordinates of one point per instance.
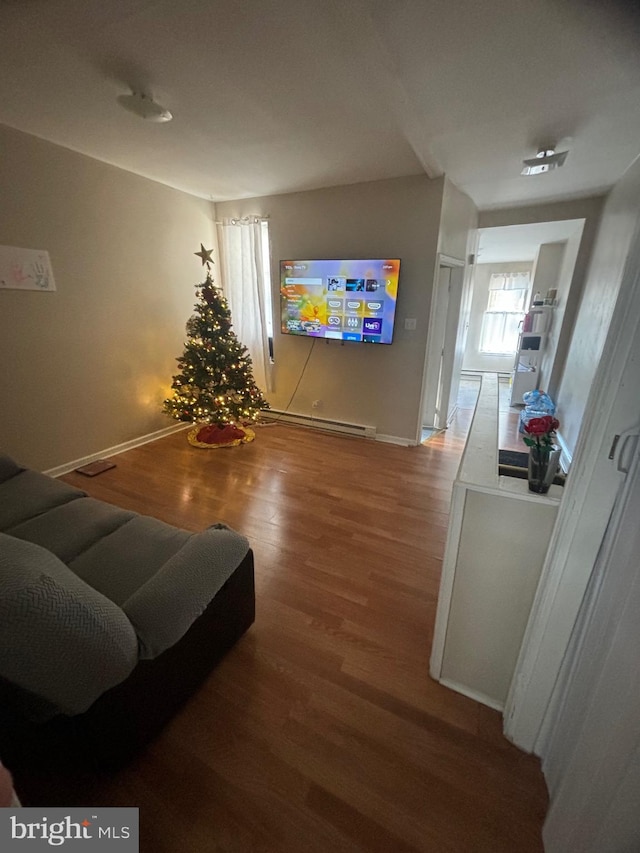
(164, 609)
(29, 493)
(8, 468)
(118, 564)
(59, 638)
(70, 529)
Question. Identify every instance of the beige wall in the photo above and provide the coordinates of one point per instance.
(87, 367)
(620, 218)
(458, 223)
(473, 358)
(567, 304)
(582, 208)
(546, 272)
(357, 383)
(554, 268)
(546, 267)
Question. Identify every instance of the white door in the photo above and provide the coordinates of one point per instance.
(593, 757)
(444, 347)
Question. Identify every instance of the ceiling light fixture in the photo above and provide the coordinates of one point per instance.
(545, 161)
(144, 106)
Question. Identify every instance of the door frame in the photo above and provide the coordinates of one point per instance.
(439, 357)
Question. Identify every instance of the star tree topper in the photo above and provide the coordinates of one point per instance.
(205, 256)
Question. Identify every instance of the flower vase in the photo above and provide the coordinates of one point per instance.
(543, 467)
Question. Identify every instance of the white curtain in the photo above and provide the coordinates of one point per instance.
(509, 281)
(243, 284)
(505, 309)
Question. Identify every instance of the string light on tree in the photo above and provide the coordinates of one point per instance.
(215, 387)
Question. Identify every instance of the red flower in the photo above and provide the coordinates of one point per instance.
(541, 426)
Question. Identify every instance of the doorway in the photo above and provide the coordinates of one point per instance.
(551, 252)
(446, 345)
(513, 263)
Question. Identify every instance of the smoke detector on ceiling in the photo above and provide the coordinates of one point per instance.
(545, 161)
(144, 106)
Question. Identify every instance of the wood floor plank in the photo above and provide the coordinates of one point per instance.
(321, 730)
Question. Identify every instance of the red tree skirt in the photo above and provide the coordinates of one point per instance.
(214, 435)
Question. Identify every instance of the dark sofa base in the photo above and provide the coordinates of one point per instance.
(127, 717)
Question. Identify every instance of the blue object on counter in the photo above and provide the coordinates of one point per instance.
(540, 401)
(537, 404)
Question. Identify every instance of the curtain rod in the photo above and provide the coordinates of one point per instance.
(242, 220)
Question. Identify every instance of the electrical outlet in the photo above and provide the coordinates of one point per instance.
(316, 404)
(410, 324)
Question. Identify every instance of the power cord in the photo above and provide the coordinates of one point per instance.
(273, 421)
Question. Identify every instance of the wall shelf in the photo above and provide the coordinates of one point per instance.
(525, 375)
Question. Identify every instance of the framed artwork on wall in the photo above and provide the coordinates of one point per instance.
(25, 269)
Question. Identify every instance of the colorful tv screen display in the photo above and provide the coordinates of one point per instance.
(341, 300)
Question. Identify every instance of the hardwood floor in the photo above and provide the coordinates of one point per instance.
(322, 730)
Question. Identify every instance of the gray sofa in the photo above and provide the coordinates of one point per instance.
(108, 619)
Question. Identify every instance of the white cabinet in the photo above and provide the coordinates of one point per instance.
(496, 544)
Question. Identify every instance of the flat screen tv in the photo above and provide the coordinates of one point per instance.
(343, 300)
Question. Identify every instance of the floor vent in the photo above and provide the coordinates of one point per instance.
(274, 415)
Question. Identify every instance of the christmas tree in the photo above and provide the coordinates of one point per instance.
(215, 384)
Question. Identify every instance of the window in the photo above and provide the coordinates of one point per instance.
(506, 306)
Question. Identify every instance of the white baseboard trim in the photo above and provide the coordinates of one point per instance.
(114, 451)
(472, 694)
(478, 374)
(396, 439)
(566, 456)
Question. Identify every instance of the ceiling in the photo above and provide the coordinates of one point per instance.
(275, 96)
(508, 243)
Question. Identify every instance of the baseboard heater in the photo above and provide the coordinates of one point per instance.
(319, 423)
